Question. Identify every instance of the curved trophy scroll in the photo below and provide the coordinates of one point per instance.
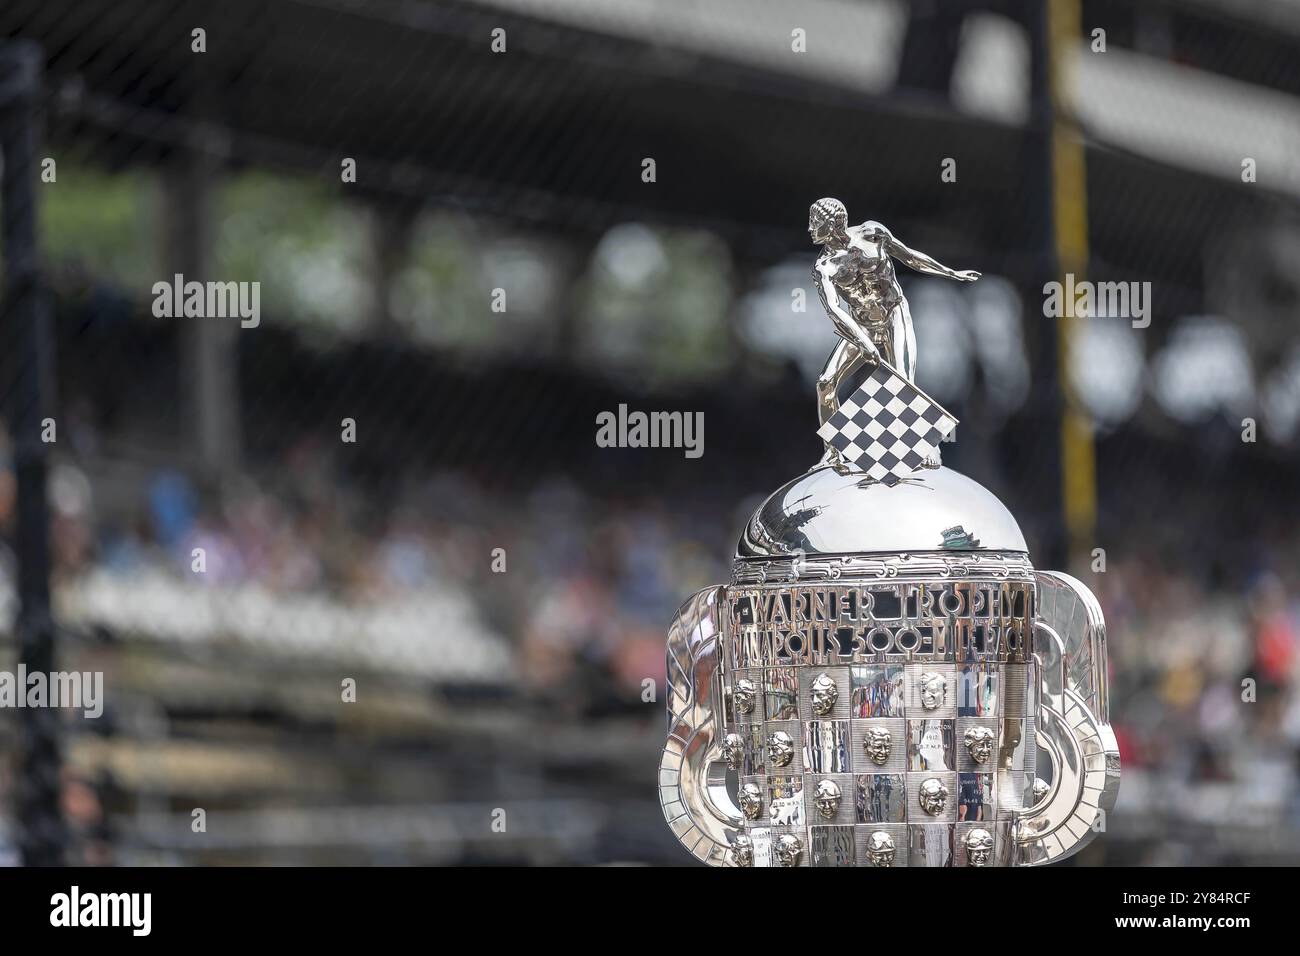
(1073, 731)
(692, 775)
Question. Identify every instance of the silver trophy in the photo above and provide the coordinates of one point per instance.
(887, 680)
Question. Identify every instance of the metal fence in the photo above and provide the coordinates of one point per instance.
(388, 475)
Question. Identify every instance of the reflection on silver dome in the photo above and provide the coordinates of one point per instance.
(823, 512)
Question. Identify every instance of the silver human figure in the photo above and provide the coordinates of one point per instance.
(860, 292)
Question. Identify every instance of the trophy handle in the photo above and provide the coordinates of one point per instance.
(692, 774)
(1073, 728)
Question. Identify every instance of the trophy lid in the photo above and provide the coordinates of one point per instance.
(827, 512)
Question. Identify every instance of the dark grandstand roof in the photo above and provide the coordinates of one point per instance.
(555, 130)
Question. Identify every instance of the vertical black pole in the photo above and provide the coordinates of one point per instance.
(1046, 398)
(26, 332)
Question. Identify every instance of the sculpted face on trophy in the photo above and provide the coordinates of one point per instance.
(788, 847)
(933, 796)
(979, 744)
(780, 749)
(743, 848)
(880, 849)
(878, 742)
(934, 690)
(733, 750)
(824, 695)
(979, 847)
(827, 797)
(745, 694)
(884, 598)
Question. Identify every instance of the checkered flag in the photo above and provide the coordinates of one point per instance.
(888, 427)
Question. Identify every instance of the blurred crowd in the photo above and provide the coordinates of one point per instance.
(582, 582)
(583, 585)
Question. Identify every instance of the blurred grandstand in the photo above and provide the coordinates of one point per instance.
(522, 171)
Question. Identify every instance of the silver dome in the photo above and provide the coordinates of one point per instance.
(823, 512)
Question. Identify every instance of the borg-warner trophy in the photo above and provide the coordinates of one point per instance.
(886, 680)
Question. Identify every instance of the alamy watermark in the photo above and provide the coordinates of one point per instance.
(1116, 300)
(208, 300)
(72, 689)
(133, 911)
(634, 429)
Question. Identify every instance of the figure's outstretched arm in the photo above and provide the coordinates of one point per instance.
(844, 323)
(916, 260)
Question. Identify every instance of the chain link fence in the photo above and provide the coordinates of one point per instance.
(362, 586)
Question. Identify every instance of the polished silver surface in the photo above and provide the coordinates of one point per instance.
(1071, 612)
(785, 800)
(877, 691)
(930, 844)
(692, 792)
(751, 749)
(827, 513)
(1074, 733)
(826, 746)
(983, 624)
(781, 693)
(976, 797)
(832, 846)
(931, 745)
(882, 798)
(973, 704)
